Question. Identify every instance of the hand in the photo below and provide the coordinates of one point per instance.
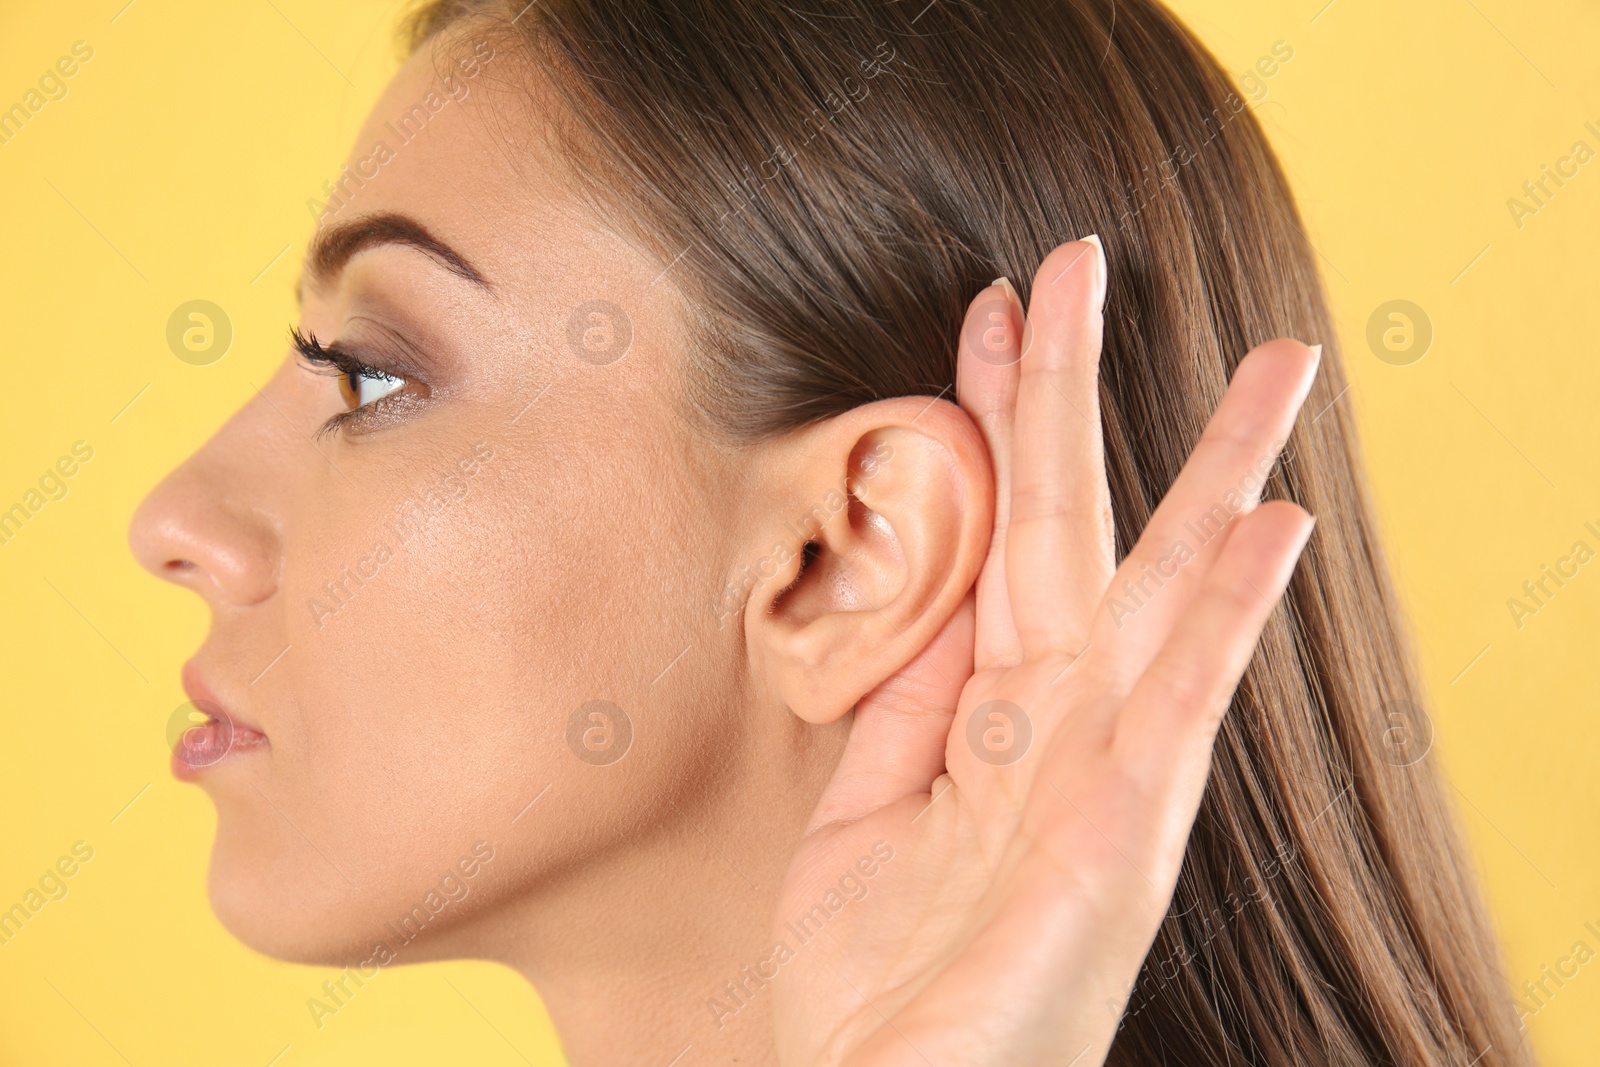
(986, 871)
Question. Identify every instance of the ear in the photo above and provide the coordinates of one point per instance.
(877, 526)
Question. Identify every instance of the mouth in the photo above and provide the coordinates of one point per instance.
(204, 733)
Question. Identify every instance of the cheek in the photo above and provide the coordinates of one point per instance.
(434, 660)
(546, 635)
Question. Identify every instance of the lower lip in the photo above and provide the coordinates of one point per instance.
(205, 746)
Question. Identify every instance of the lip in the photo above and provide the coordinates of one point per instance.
(223, 736)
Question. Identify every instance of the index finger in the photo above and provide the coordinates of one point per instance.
(986, 387)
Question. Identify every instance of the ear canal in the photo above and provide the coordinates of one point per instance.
(808, 556)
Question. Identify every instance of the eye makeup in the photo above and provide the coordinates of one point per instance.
(374, 394)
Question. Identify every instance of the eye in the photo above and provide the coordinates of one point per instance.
(370, 394)
(360, 387)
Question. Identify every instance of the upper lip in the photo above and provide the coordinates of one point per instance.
(201, 696)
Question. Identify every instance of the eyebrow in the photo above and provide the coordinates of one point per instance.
(334, 247)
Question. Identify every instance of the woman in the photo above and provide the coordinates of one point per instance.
(639, 610)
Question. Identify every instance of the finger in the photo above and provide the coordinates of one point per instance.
(1059, 550)
(1224, 477)
(897, 741)
(1166, 727)
(986, 388)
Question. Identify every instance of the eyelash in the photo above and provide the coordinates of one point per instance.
(333, 361)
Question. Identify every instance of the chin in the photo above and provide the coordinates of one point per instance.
(291, 904)
(282, 910)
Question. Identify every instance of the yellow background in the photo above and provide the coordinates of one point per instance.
(178, 167)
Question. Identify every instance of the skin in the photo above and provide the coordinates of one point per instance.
(610, 548)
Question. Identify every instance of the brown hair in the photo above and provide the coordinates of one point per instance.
(829, 185)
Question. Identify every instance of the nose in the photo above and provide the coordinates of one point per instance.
(210, 525)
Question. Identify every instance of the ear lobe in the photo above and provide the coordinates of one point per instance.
(885, 517)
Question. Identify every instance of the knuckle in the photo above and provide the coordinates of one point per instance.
(1035, 501)
(1187, 685)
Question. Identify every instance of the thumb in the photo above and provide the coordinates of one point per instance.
(897, 740)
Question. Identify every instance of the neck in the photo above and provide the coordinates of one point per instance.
(648, 955)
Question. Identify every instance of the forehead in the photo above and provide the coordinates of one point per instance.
(464, 143)
(458, 141)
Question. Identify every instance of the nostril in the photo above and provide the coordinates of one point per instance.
(177, 565)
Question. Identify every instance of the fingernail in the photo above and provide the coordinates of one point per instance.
(1316, 353)
(1010, 290)
(1100, 267)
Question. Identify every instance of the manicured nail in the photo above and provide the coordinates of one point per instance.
(1010, 290)
(1316, 353)
(1305, 537)
(1100, 267)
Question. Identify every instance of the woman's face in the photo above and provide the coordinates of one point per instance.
(415, 605)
